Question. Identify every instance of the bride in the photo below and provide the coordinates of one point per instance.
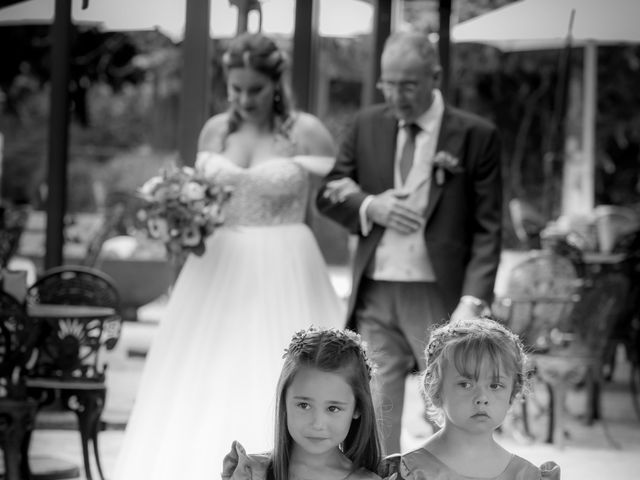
(211, 372)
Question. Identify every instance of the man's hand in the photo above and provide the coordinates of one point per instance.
(390, 209)
(338, 190)
(467, 310)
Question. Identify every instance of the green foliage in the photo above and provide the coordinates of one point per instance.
(122, 122)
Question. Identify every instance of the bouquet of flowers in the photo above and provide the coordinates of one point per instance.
(182, 208)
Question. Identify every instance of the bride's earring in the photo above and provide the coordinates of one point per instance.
(277, 101)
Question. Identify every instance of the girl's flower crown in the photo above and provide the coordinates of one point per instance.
(341, 340)
(443, 335)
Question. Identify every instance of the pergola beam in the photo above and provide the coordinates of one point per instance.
(196, 86)
(444, 46)
(382, 18)
(305, 43)
(58, 148)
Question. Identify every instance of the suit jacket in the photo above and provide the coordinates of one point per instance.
(463, 217)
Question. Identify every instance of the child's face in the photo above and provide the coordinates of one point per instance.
(320, 407)
(475, 406)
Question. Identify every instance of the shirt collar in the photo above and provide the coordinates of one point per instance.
(429, 119)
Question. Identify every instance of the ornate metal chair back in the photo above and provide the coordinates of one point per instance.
(17, 410)
(75, 285)
(72, 351)
(542, 291)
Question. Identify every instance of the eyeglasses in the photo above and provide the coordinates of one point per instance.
(403, 88)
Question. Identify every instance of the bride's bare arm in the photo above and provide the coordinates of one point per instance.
(212, 133)
(316, 148)
(311, 136)
(316, 164)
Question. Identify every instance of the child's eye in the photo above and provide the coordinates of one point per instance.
(303, 405)
(464, 384)
(334, 409)
(496, 386)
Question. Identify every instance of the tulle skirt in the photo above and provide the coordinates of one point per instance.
(210, 375)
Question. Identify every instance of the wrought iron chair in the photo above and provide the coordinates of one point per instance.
(626, 332)
(542, 292)
(603, 307)
(69, 367)
(17, 410)
(568, 320)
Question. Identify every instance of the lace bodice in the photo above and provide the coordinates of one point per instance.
(271, 193)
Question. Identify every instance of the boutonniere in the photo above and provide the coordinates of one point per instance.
(445, 162)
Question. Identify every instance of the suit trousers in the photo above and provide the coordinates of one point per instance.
(395, 318)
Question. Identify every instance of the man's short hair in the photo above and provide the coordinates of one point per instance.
(414, 41)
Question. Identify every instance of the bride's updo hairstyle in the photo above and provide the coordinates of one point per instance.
(258, 52)
(336, 351)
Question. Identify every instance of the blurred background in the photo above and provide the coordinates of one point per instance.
(125, 100)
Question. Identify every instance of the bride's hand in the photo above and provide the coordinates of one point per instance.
(338, 190)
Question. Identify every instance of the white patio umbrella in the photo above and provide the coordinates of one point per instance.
(342, 18)
(545, 24)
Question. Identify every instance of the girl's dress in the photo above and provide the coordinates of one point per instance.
(211, 373)
(420, 464)
(238, 465)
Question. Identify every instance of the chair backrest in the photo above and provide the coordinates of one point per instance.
(75, 285)
(17, 339)
(541, 293)
(70, 348)
(599, 310)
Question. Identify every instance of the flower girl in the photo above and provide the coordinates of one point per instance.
(475, 370)
(325, 420)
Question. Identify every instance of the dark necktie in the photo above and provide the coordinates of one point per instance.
(408, 150)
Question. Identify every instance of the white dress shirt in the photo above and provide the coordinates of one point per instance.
(404, 257)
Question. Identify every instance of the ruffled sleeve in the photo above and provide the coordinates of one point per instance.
(317, 164)
(550, 471)
(238, 465)
(204, 161)
(390, 467)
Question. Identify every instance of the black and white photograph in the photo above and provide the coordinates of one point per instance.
(319, 239)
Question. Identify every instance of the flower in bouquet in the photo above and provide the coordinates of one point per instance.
(182, 208)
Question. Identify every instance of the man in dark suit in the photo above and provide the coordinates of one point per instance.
(419, 182)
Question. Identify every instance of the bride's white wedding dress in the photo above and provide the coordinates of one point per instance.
(210, 375)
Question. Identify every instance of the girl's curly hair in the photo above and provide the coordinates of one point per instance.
(465, 345)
